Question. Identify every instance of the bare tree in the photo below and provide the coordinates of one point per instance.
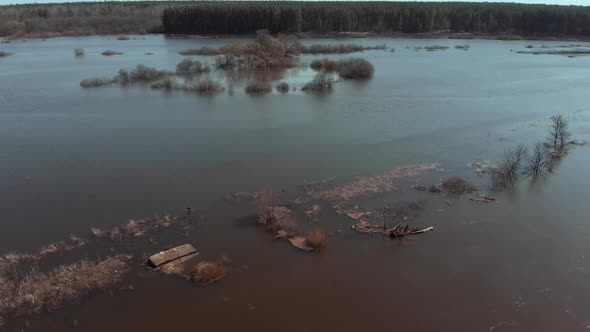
(559, 132)
(539, 163)
(509, 168)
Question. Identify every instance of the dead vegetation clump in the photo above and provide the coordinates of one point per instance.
(258, 88)
(338, 48)
(123, 38)
(141, 73)
(201, 51)
(208, 272)
(206, 86)
(136, 227)
(96, 82)
(37, 291)
(313, 212)
(191, 67)
(317, 238)
(457, 185)
(321, 82)
(79, 52)
(111, 53)
(364, 185)
(10, 260)
(434, 48)
(264, 53)
(165, 84)
(356, 68)
(282, 87)
(464, 47)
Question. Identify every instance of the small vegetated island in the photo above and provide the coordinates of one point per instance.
(265, 52)
(218, 17)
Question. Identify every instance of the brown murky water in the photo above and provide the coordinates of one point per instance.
(72, 159)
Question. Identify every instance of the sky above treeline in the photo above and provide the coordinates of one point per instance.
(550, 2)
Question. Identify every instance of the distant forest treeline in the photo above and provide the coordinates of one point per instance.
(82, 18)
(237, 17)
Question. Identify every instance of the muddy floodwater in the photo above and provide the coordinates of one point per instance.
(73, 158)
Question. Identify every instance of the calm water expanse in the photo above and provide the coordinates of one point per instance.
(73, 158)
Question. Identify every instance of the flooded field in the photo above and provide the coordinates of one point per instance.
(83, 162)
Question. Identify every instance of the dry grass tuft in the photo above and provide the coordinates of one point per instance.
(38, 291)
(208, 272)
(258, 88)
(317, 238)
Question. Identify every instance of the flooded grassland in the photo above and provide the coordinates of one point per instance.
(321, 197)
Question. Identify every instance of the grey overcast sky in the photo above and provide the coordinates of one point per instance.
(552, 2)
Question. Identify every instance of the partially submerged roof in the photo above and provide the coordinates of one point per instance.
(170, 255)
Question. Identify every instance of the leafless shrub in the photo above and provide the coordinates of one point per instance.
(206, 86)
(201, 51)
(166, 84)
(258, 88)
(457, 185)
(539, 163)
(317, 238)
(208, 272)
(79, 52)
(559, 134)
(434, 48)
(320, 82)
(316, 64)
(355, 69)
(110, 52)
(96, 82)
(326, 65)
(341, 48)
(509, 169)
(464, 47)
(141, 73)
(188, 67)
(282, 87)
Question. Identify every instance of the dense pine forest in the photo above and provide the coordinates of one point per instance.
(385, 17)
(237, 17)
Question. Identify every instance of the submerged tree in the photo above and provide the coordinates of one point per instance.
(559, 134)
(509, 168)
(539, 162)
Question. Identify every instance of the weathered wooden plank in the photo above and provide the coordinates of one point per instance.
(167, 256)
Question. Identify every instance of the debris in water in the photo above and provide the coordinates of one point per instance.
(373, 184)
(483, 199)
(243, 196)
(312, 213)
(482, 167)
